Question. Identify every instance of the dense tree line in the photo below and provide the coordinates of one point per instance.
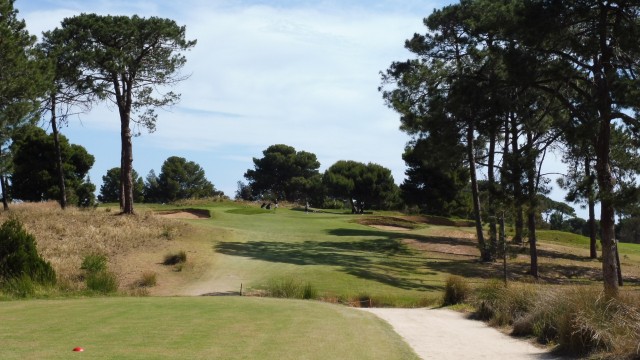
(510, 81)
(179, 179)
(286, 174)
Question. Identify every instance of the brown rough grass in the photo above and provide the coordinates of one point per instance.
(65, 237)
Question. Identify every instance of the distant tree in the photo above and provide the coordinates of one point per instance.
(126, 60)
(436, 176)
(35, 175)
(182, 179)
(284, 173)
(67, 94)
(243, 192)
(628, 230)
(23, 80)
(110, 189)
(364, 185)
(152, 188)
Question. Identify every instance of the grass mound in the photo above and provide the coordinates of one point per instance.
(121, 239)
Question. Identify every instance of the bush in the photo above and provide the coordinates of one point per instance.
(148, 279)
(174, 259)
(19, 257)
(94, 263)
(581, 320)
(456, 290)
(291, 288)
(104, 282)
(20, 286)
(503, 305)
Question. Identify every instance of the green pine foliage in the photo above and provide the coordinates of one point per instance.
(19, 257)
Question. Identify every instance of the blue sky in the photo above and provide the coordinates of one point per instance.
(297, 72)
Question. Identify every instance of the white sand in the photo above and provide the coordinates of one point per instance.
(445, 334)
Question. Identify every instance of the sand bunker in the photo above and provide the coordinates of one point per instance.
(185, 214)
(389, 228)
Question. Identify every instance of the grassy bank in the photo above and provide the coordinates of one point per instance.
(194, 328)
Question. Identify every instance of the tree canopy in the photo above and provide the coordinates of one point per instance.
(284, 173)
(180, 179)
(364, 185)
(525, 77)
(23, 79)
(34, 175)
(127, 60)
(110, 188)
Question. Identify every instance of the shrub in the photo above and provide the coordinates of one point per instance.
(581, 320)
(94, 263)
(291, 288)
(149, 279)
(456, 290)
(19, 286)
(177, 258)
(104, 282)
(19, 257)
(503, 305)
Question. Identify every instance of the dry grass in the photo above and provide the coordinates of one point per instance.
(64, 238)
(579, 320)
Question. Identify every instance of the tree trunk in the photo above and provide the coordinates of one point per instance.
(5, 201)
(493, 231)
(59, 166)
(620, 281)
(484, 254)
(517, 185)
(533, 249)
(607, 212)
(122, 178)
(602, 72)
(533, 204)
(124, 99)
(593, 251)
(127, 167)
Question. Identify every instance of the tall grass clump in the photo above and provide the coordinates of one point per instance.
(103, 282)
(97, 277)
(456, 290)
(291, 288)
(583, 321)
(22, 269)
(503, 305)
(94, 263)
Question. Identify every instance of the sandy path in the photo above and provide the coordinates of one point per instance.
(445, 334)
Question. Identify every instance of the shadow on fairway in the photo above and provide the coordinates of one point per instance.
(384, 259)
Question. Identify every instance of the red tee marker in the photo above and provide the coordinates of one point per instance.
(78, 349)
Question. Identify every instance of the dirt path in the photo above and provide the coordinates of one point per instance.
(445, 334)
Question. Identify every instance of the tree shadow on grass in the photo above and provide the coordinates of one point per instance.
(384, 260)
(402, 235)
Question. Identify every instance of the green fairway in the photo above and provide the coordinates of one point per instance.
(193, 328)
(339, 257)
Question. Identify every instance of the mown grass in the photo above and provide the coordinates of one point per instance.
(343, 257)
(194, 328)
